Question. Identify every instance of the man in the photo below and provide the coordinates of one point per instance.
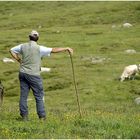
(29, 74)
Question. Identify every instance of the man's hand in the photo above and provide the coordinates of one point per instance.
(70, 51)
(15, 56)
(19, 60)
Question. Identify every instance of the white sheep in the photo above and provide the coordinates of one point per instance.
(130, 72)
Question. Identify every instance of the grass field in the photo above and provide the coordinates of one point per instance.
(108, 106)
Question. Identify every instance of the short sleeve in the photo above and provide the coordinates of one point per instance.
(16, 49)
(45, 51)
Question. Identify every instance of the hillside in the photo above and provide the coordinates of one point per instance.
(95, 31)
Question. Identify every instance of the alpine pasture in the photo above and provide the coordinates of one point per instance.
(95, 31)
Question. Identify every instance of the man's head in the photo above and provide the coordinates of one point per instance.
(34, 35)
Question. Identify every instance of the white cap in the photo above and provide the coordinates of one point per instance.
(34, 33)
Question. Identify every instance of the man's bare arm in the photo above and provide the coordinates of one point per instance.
(57, 50)
(15, 56)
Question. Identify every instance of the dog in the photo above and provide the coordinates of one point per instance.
(1, 92)
(130, 72)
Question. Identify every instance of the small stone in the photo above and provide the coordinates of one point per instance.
(130, 51)
(137, 101)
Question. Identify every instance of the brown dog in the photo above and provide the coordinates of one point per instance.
(1, 93)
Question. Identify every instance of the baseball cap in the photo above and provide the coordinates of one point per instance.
(34, 32)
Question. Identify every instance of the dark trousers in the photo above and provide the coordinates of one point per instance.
(28, 82)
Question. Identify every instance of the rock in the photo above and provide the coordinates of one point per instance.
(57, 31)
(113, 26)
(96, 60)
(127, 25)
(8, 60)
(84, 58)
(39, 27)
(131, 51)
(137, 101)
(44, 69)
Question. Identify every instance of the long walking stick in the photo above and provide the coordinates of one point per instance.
(76, 91)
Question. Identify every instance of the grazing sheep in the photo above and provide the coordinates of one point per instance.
(130, 72)
(1, 92)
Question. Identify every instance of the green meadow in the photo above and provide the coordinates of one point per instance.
(95, 31)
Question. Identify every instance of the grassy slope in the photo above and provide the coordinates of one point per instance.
(108, 106)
